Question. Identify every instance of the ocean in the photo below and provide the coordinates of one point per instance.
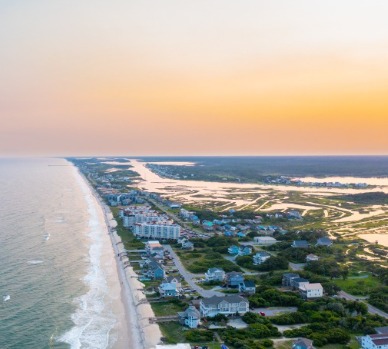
(56, 262)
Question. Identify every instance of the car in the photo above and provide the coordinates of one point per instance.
(262, 313)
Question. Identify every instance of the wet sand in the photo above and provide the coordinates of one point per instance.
(128, 302)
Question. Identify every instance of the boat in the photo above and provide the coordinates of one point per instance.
(6, 297)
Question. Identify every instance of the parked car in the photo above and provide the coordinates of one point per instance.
(262, 313)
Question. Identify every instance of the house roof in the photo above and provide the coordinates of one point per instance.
(215, 300)
(192, 312)
(310, 287)
(299, 280)
(233, 273)
(312, 256)
(171, 278)
(168, 286)
(303, 341)
(214, 270)
(300, 243)
(263, 254)
(382, 330)
(324, 241)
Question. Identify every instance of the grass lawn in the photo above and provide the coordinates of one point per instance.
(286, 344)
(358, 286)
(173, 331)
(167, 308)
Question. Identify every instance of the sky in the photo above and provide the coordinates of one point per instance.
(199, 77)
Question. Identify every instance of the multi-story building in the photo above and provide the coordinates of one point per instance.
(309, 291)
(158, 230)
(215, 274)
(227, 305)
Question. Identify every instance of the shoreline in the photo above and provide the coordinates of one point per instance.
(140, 334)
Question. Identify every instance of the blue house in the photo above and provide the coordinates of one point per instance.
(233, 250)
(168, 290)
(155, 271)
(241, 234)
(234, 279)
(245, 251)
(207, 225)
(228, 233)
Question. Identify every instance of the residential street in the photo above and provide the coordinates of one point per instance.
(371, 308)
(189, 276)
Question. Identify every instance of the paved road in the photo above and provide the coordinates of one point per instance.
(371, 308)
(189, 276)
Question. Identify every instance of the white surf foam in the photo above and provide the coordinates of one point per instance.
(35, 262)
(93, 319)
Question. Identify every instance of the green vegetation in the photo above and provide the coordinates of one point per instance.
(169, 307)
(371, 198)
(358, 286)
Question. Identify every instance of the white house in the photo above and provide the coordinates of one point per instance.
(311, 258)
(375, 341)
(264, 240)
(228, 305)
(260, 257)
(153, 247)
(215, 274)
(308, 291)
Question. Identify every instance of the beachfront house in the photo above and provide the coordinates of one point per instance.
(233, 250)
(155, 270)
(234, 279)
(300, 244)
(226, 305)
(248, 287)
(287, 279)
(215, 274)
(325, 241)
(155, 249)
(264, 240)
(260, 257)
(311, 258)
(311, 291)
(169, 289)
(190, 317)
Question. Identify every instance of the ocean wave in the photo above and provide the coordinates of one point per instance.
(35, 261)
(93, 320)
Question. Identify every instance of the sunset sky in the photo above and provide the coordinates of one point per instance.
(198, 77)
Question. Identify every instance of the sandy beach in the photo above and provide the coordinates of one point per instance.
(133, 328)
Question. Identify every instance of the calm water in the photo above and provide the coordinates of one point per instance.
(49, 259)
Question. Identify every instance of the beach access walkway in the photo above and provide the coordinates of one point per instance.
(189, 277)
